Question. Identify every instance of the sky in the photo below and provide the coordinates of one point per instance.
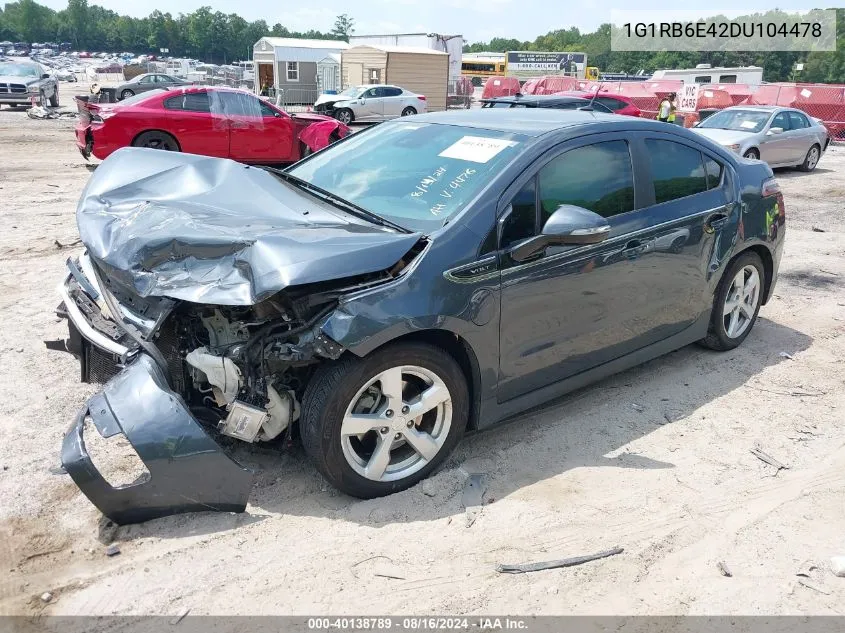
(476, 20)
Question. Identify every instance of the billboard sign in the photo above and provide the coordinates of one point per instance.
(527, 63)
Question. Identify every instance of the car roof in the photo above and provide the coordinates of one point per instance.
(534, 99)
(537, 121)
(761, 108)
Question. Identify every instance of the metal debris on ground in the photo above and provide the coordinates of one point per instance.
(786, 355)
(46, 596)
(58, 470)
(40, 112)
(112, 550)
(765, 457)
(554, 564)
(723, 569)
(473, 496)
(637, 407)
(816, 229)
(837, 566)
(806, 569)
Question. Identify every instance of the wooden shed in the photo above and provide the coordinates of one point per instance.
(420, 70)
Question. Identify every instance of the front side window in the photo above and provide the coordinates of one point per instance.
(781, 120)
(293, 71)
(522, 221)
(417, 175)
(239, 104)
(147, 80)
(677, 170)
(597, 177)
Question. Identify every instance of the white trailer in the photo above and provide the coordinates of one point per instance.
(451, 44)
(707, 74)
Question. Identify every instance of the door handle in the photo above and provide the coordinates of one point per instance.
(715, 221)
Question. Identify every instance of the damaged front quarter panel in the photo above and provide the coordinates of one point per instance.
(188, 471)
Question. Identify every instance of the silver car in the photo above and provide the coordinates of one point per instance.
(22, 82)
(782, 137)
(371, 103)
(148, 81)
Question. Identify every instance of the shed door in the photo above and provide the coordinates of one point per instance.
(355, 74)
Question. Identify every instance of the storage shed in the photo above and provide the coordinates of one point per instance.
(328, 73)
(290, 64)
(420, 70)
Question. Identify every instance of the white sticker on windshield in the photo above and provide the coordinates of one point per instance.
(476, 149)
(496, 82)
(748, 124)
(805, 93)
(708, 93)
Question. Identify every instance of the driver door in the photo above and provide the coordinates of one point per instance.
(775, 148)
(371, 104)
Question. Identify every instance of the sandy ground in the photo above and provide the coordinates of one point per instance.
(655, 460)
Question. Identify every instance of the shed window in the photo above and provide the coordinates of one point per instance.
(293, 71)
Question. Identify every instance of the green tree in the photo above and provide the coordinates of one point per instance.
(344, 26)
(77, 18)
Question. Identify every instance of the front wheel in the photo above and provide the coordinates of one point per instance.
(408, 111)
(378, 425)
(345, 116)
(753, 154)
(54, 100)
(811, 160)
(736, 303)
(156, 140)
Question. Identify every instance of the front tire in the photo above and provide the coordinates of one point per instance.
(737, 303)
(345, 116)
(157, 140)
(752, 153)
(812, 159)
(409, 111)
(380, 424)
(54, 100)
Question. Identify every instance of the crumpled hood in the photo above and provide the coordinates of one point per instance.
(724, 137)
(14, 79)
(214, 231)
(327, 98)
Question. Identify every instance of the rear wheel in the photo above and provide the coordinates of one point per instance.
(811, 160)
(736, 303)
(156, 140)
(345, 116)
(125, 94)
(380, 424)
(753, 154)
(54, 100)
(408, 111)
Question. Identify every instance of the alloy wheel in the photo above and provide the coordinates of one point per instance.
(812, 158)
(397, 423)
(741, 301)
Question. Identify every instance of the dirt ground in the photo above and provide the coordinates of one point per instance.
(656, 460)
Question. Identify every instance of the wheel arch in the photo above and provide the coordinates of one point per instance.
(170, 134)
(767, 258)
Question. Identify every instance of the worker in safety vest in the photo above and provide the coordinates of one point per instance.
(666, 110)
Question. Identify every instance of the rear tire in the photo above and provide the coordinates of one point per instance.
(342, 390)
(54, 100)
(811, 159)
(737, 303)
(126, 94)
(409, 111)
(752, 153)
(157, 140)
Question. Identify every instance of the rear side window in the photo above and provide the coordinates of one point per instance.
(798, 120)
(597, 177)
(392, 92)
(713, 170)
(677, 170)
(613, 104)
(191, 102)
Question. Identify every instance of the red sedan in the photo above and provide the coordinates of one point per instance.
(617, 103)
(221, 122)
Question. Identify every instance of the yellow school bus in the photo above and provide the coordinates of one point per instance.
(479, 68)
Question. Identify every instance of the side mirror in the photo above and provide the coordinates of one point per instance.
(45, 76)
(774, 130)
(568, 226)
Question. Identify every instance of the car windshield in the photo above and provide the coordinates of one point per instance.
(352, 92)
(19, 70)
(497, 104)
(417, 175)
(739, 120)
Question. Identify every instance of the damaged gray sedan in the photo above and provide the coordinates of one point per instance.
(379, 298)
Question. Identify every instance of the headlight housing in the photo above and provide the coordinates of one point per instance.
(733, 148)
(33, 89)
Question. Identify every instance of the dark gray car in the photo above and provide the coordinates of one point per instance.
(148, 81)
(429, 276)
(21, 82)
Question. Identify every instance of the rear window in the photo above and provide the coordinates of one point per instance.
(141, 96)
(417, 175)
